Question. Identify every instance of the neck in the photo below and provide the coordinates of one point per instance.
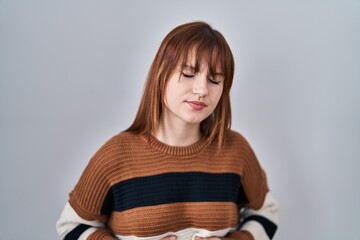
(177, 133)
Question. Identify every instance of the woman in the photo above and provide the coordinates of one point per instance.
(178, 172)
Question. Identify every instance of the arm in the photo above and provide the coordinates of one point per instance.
(258, 224)
(86, 213)
(259, 215)
(72, 226)
(261, 223)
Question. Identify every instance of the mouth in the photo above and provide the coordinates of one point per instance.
(196, 105)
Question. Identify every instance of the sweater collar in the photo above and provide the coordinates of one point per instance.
(176, 150)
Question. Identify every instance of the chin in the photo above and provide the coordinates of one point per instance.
(193, 120)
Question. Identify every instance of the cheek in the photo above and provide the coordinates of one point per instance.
(217, 92)
(170, 95)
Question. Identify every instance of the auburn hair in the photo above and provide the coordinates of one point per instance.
(210, 46)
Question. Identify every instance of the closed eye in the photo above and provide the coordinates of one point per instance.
(214, 81)
(187, 75)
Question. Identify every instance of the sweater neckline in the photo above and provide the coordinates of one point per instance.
(177, 150)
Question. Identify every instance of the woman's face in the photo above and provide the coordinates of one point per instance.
(191, 97)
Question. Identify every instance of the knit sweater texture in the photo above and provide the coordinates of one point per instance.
(141, 188)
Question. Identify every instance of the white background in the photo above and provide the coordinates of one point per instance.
(72, 74)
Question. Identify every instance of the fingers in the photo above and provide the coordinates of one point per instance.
(171, 237)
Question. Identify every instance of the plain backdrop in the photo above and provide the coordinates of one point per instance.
(72, 74)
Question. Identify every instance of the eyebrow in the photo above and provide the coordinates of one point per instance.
(192, 68)
(187, 66)
(219, 73)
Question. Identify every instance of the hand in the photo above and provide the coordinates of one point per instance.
(209, 238)
(171, 237)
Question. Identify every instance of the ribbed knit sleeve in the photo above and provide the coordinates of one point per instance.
(253, 177)
(101, 234)
(260, 215)
(239, 235)
(86, 214)
(89, 197)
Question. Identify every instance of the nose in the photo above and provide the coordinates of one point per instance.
(200, 86)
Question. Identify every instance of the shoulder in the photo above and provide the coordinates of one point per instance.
(115, 148)
(236, 138)
(121, 140)
(237, 143)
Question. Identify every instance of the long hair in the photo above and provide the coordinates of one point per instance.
(209, 46)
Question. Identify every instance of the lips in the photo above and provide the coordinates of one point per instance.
(196, 105)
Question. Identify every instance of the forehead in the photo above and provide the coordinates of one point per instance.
(205, 58)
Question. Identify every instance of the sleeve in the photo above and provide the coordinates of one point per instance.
(259, 214)
(71, 226)
(85, 215)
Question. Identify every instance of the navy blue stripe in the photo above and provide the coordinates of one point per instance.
(174, 187)
(108, 203)
(76, 232)
(269, 226)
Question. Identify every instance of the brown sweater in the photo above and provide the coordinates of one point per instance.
(141, 187)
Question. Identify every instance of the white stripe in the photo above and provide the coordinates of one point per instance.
(185, 234)
(269, 210)
(256, 229)
(69, 220)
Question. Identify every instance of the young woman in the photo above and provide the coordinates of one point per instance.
(178, 172)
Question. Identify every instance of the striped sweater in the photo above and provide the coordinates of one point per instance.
(136, 187)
